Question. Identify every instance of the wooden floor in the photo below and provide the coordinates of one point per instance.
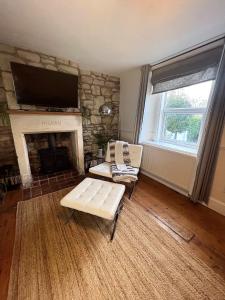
(193, 225)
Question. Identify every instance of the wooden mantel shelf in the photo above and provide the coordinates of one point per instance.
(39, 112)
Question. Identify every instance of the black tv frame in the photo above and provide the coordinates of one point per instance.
(49, 107)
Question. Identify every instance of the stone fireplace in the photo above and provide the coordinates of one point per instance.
(58, 134)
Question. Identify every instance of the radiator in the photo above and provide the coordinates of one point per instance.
(172, 168)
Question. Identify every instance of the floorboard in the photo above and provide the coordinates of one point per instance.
(193, 225)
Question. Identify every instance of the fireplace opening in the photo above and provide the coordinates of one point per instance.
(50, 153)
(54, 160)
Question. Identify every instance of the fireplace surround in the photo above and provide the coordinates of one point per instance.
(33, 122)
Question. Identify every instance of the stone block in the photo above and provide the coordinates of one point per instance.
(1, 82)
(36, 64)
(68, 69)
(89, 97)
(86, 86)
(95, 90)
(96, 74)
(114, 78)
(85, 72)
(88, 92)
(115, 120)
(108, 100)
(98, 101)
(73, 64)
(62, 61)
(34, 57)
(48, 61)
(5, 60)
(116, 97)
(98, 82)
(7, 81)
(47, 56)
(111, 84)
(11, 100)
(2, 95)
(86, 79)
(106, 91)
(116, 89)
(51, 67)
(86, 121)
(96, 120)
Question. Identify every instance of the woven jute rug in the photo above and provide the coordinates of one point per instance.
(52, 260)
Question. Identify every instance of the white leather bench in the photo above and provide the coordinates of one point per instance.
(96, 197)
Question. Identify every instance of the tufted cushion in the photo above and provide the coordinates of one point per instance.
(96, 197)
(104, 170)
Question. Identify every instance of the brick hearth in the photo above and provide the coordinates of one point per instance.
(45, 184)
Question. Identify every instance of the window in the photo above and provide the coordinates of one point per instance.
(176, 118)
(183, 113)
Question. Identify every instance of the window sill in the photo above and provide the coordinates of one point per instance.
(172, 148)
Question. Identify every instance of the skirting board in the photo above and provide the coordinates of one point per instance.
(216, 205)
(165, 182)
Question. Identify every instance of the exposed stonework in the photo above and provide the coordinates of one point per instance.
(95, 89)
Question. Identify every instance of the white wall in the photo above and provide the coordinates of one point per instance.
(217, 198)
(176, 170)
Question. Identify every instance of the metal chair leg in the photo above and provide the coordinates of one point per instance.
(132, 189)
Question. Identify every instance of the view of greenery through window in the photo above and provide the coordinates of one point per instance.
(183, 113)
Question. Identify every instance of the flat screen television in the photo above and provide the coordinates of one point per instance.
(42, 87)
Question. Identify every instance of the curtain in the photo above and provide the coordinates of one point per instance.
(145, 70)
(194, 69)
(211, 140)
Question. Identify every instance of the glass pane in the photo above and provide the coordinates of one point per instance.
(182, 128)
(193, 96)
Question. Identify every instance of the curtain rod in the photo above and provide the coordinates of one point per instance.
(187, 50)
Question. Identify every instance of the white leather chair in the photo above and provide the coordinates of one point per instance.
(104, 169)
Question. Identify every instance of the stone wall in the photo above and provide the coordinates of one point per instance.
(95, 89)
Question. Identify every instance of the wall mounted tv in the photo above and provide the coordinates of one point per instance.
(41, 87)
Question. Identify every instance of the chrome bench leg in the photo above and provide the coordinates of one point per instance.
(115, 221)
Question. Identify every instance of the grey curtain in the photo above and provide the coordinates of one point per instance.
(195, 69)
(210, 143)
(145, 70)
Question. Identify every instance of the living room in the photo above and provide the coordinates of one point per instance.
(112, 150)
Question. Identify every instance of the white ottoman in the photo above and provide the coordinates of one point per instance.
(96, 197)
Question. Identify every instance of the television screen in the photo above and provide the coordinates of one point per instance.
(41, 87)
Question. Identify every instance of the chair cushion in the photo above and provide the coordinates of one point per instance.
(135, 152)
(105, 170)
(102, 170)
(96, 197)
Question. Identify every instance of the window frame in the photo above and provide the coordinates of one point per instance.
(191, 111)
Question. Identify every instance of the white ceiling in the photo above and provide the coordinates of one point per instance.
(110, 35)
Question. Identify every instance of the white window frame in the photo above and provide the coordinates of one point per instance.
(165, 111)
